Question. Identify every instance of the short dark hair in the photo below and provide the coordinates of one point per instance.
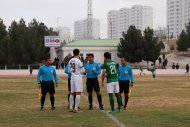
(92, 55)
(47, 57)
(76, 52)
(107, 55)
(122, 57)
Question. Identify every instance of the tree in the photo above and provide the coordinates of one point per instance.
(164, 36)
(5, 45)
(172, 36)
(161, 45)
(67, 58)
(3, 31)
(35, 47)
(151, 46)
(18, 33)
(131, 45)
(172, 47)
(188, 34)
(28, 41)
(182, 42)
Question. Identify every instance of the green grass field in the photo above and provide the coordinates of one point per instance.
(160, 102)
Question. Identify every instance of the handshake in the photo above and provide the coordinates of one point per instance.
(93, 71)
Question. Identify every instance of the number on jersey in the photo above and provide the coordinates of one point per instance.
(113, 69)
(73, 68)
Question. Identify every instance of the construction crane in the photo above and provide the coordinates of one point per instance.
(89, 20)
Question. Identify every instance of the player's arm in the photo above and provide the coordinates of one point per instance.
(82, 69)
(103, 76)
(132, 76)
(86, 70)
(55, 77)
(118, 72)
(103, 73)
(98, 70)
(39, 77)
(67, 70)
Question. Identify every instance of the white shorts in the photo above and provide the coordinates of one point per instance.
(113, 87)
(76, 84)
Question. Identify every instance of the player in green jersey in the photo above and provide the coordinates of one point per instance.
(110, 71)
(153, 70)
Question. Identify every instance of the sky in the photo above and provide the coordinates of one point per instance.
(48, 11)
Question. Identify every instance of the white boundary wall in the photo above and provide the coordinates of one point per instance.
(61, 72)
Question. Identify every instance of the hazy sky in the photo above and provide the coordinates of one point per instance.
(47, 11)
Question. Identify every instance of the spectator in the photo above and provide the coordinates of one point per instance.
(177, 66)
(166, 62)
(141, 71)
(31, 70)
(153, 70)
(82, 59)
(62, 65)
(173, 66)
(187, 69)
(163, 56)
(160, 61)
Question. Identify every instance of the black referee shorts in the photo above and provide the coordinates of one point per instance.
(92, 84)
(69, 84)
(124, 86)
(47, 87)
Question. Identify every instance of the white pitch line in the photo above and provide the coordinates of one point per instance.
(120, 124)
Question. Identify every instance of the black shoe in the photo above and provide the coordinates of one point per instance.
(41, 109)
(52, 108)
(90, 107)
(70, 110)
(75, 111)
(125, 107)
(101, 107)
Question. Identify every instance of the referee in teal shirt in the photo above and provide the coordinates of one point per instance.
(93, 69)
(126, 79)
(46, 75)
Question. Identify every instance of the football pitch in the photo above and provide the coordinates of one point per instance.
(160, 102)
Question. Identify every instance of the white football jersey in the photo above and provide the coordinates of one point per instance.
(76, 67)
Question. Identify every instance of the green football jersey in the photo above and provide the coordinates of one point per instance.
(111, 71)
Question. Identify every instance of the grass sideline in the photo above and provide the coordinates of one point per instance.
(160, 102)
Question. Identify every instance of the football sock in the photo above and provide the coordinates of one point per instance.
(99, 99)
(74, 100)
(42, 100)
(121, 99)
(77, 102)
(52, 99)
(118, 101)
(71, 101)
(111, 99)
(126, 100)
(90, 99)
(68, 97)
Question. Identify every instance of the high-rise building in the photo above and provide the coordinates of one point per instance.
(81, 29)
(64, 33)
(178, 15)
(113, 24)
(88, 28)
(120, 20)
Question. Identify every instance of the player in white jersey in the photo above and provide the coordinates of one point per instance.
(77, 70)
